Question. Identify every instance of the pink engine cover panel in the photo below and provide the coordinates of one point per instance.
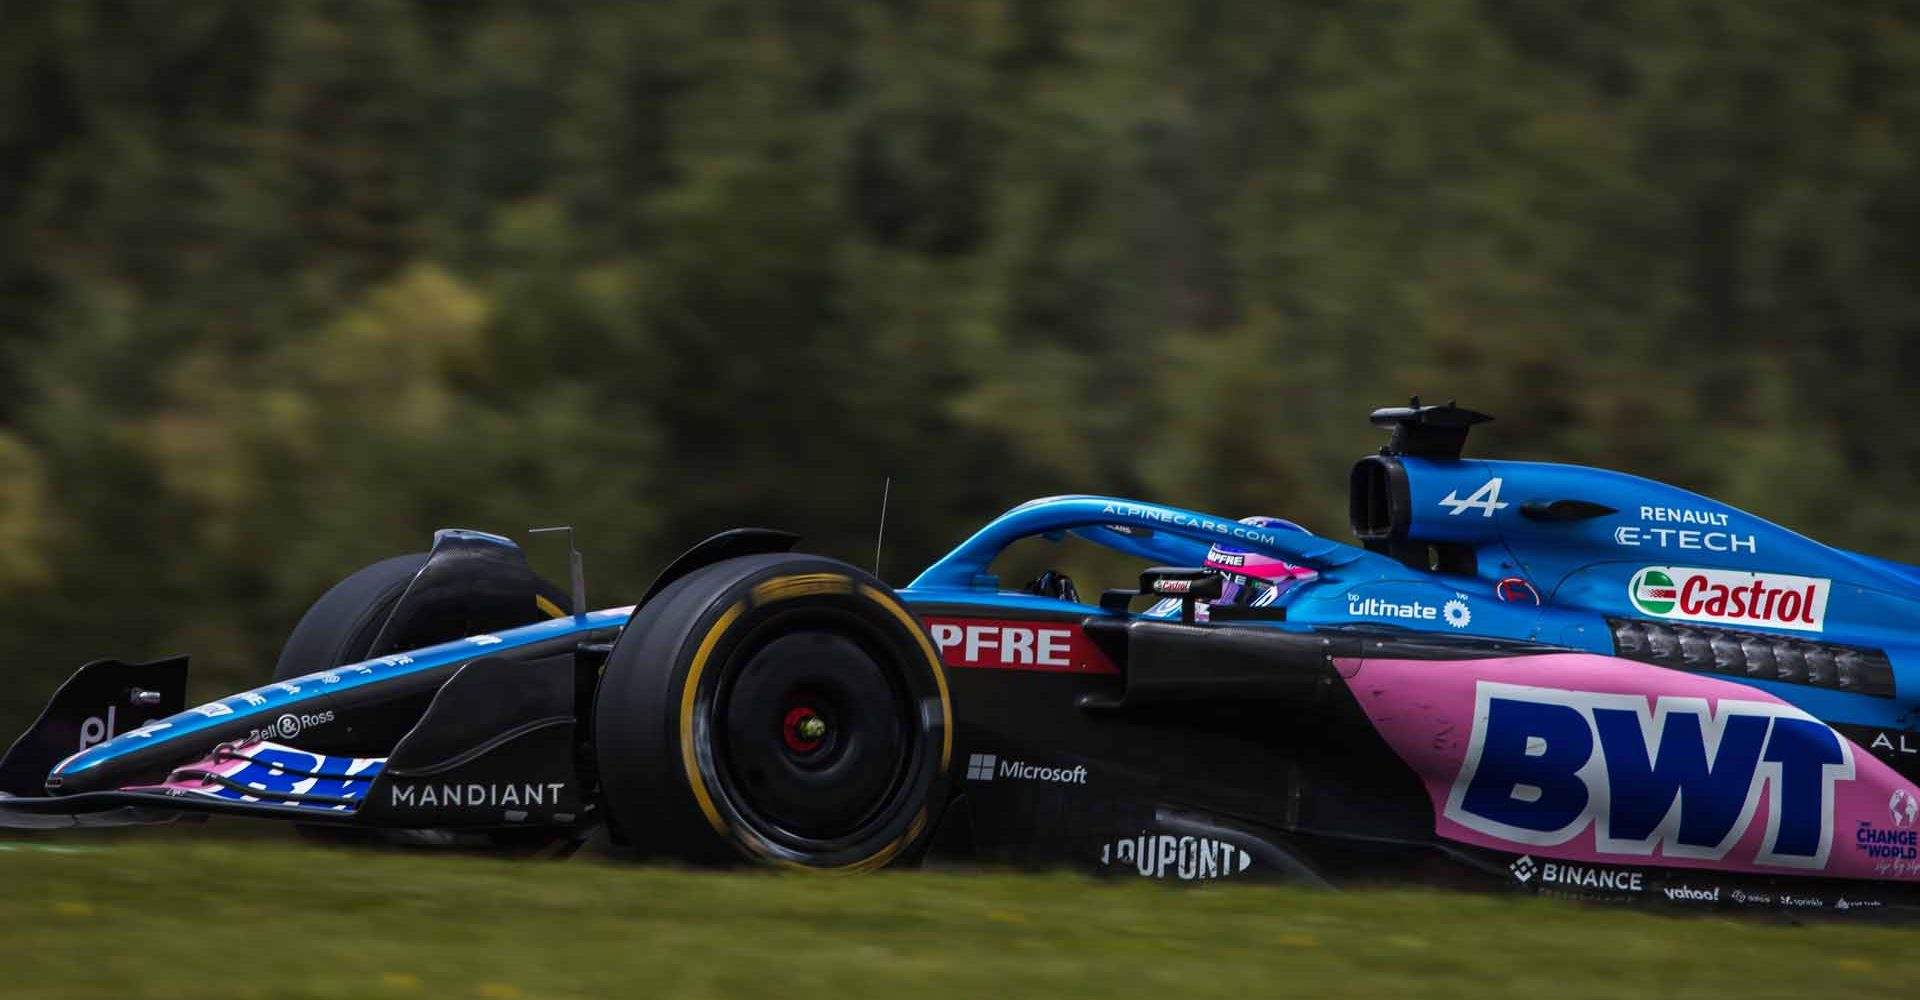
(1593, 758)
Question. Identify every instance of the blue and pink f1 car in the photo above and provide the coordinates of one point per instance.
(1543, 677)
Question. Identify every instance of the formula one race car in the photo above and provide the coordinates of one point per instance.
(1542, 677)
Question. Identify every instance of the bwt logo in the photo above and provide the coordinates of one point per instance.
(1543, 765)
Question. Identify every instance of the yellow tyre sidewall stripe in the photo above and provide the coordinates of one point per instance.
(933, 663)
(783, 588)
(688, 756)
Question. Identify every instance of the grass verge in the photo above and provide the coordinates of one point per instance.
(273, 920)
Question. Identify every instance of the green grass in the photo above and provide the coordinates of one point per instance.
(273, 920)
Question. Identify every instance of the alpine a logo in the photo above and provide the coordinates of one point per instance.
(1544, 766)
(1731, 597)
(1486, 500)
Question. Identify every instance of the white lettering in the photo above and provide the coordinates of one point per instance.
(1629, 536)
(1020, 770)
(1005, 645)
(977, 639)
(1054, 643)
(1583, 877)
(476, 795)
(1675, 515)
(1881, 742)
(946, 636)
(1374, 607)
(1166, 855)
(1016, 645)
(97, 730)
(1161, 515)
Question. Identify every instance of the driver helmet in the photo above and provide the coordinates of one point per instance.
(1253, 579)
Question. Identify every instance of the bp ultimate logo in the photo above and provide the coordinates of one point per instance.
(1678, 777)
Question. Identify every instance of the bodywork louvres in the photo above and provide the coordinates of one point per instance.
(1754, 655)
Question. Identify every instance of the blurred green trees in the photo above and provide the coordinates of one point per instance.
(283, 287)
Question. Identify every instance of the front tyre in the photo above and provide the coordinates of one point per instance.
(785, 709)
(341, 627)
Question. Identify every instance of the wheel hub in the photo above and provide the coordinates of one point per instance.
(804, 729)
(842, 734)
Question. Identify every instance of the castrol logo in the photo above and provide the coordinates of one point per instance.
(1731, 597)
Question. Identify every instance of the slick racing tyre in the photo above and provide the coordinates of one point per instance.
(340, 628)
(782, 709)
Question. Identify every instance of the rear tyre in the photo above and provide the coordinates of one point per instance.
(782, 709)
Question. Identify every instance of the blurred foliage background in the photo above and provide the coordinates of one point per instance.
(285, 286)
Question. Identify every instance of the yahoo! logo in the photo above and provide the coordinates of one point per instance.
(1677, 776)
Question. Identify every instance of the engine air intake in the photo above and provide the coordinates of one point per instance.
(1371, 498)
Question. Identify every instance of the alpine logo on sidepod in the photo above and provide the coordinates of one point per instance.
(1731, 597)
(1679, 778)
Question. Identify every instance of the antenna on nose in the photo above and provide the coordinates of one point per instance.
(886, 493)
(576, 568)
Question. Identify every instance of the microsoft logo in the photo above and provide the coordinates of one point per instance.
(980, 767)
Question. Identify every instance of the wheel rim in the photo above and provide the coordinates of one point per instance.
(813, 734)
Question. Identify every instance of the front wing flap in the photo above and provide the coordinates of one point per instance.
(257, 779)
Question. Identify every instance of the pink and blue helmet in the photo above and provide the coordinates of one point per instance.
(1252, 578)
